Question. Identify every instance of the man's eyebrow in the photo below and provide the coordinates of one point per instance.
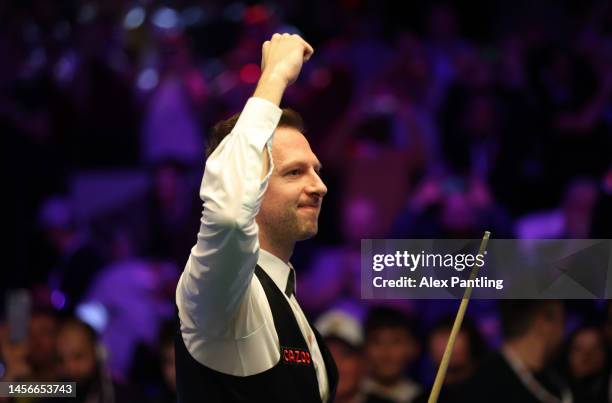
(288, 164)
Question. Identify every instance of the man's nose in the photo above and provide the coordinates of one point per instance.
(317, 187)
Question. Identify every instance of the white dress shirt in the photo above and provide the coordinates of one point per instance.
(226, 321)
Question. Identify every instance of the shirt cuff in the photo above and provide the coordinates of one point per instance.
(259, 119)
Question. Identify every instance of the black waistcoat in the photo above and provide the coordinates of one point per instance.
(293, 379)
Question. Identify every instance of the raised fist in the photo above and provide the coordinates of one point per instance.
(283, 56)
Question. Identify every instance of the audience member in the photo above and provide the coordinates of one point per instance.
(344, 337)
(391, 348)
(588, 365)
(83, 360)
(467, 355)
(521, 372)
(42, 339)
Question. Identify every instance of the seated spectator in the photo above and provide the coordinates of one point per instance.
(344, 338)
(467, 355)
(82, 360)
(468, 351)
(533, 332)
(391, 348)
(42, 338)
(28, 346)
(587, 364)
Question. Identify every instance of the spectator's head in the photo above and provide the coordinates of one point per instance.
(467, 353)
(344, 338)
(587, 353)
(391, 345)
(291, 204)
(540, 322)
(78, 350)
(42, 338)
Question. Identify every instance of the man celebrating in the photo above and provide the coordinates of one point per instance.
(244, 337)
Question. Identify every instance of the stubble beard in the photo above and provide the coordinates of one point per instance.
(291, 226)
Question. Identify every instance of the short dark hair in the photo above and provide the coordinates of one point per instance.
(388, 318)
(289, 118)
(86, 328)
(517, 315)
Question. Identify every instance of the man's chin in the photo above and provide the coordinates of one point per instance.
(308, 232)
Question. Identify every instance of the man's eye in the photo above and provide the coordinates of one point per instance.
(293, 172)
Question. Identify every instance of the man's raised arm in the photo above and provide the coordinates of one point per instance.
(221, 264)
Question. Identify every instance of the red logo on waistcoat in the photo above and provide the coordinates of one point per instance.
(295, 356)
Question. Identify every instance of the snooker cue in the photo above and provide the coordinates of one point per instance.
(435, 390)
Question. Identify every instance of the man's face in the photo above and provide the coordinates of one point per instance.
(460, 366)
(550, 326)
(587, 353)
(42, 339)
(389, 351)
(291, 205)
(77, 354)
(350, 368)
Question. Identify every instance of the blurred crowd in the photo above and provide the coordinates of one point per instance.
(389, 356)
(432, 120)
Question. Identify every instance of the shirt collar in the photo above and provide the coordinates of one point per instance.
(275, 268)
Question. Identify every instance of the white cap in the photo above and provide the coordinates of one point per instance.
(340, 325)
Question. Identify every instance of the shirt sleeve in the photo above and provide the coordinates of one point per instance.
(220, 267)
